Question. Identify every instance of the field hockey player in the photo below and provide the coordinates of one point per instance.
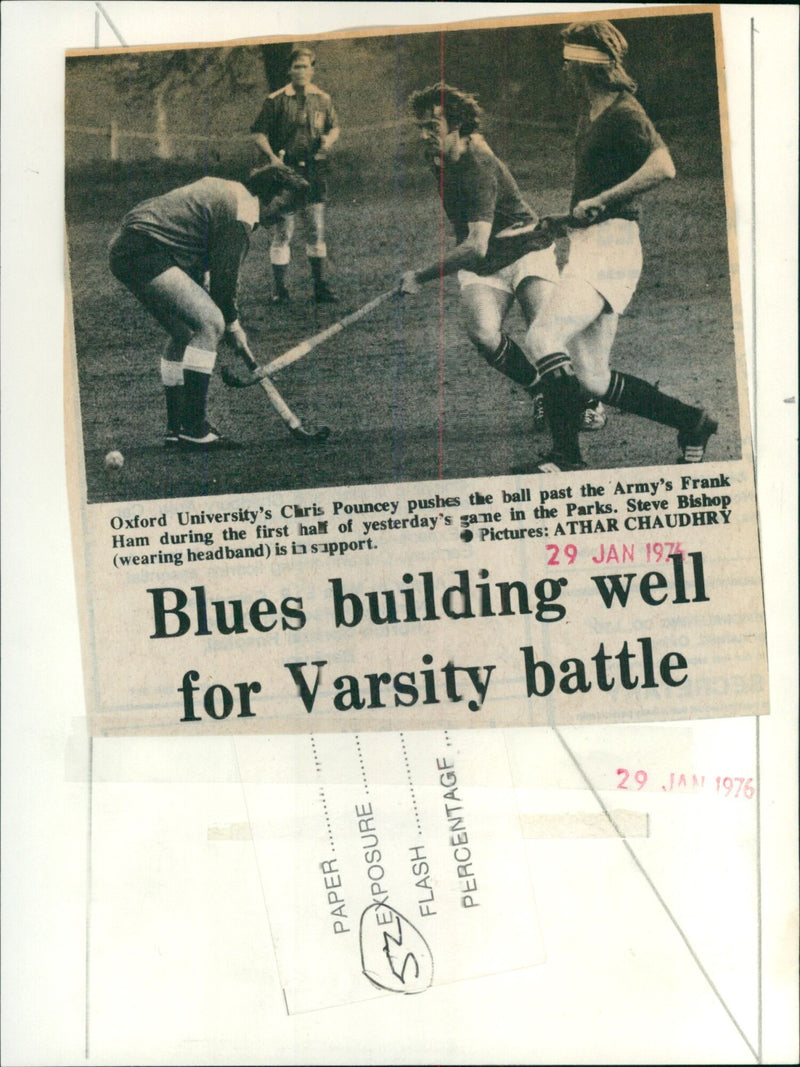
(619, 155)
(162, 253)
(501, 254)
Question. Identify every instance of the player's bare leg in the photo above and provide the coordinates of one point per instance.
(579, 321)
(196, 325)
(573, 305)
(590, 352)
(485, 308)
(591, 356)
(532, 295)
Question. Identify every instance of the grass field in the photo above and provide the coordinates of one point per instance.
(405, 394)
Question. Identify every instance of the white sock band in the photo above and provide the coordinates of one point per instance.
(279, 255)
(171, 372)
(198, 359)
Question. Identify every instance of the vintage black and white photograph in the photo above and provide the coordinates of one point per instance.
(373, 259)
(396, 393)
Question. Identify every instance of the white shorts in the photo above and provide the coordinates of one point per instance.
(609, 257)
(541, 264)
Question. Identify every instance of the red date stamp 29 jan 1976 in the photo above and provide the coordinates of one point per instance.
(677, 782)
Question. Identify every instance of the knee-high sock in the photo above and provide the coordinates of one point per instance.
(563, 404)
(511, 361)
(317, 265)
(198, 366)
(172, 380)
(632, 394)
(279, 274)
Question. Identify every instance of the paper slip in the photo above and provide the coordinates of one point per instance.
(388, 869)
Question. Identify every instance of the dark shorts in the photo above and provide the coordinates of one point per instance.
(315, 172)
(135, 258)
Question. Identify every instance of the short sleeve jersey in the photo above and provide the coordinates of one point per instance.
(479, 187)
(611, 149)
(294, 124)
(207, 227)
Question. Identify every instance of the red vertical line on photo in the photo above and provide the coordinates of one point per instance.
(441, 273)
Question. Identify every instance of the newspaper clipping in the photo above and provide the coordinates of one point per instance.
(407, 381)
(414, 524)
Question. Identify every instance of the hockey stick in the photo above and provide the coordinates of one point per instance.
(263, 373)
(558, 225)
(294, 424)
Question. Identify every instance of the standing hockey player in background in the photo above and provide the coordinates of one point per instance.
(618, 155)
(297, 126)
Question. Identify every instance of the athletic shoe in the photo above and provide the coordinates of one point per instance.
(540, 419)
(281, 296)
(555, 464)
(171, 439)
(210, 441)
(594, 416)
(323, 294)
(552, 464)
(693, 443)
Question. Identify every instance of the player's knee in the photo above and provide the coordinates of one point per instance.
(212, 328)
(484, 337)
(180, 336)
(542, 338)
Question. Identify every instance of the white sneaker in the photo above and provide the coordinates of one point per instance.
(211, 439)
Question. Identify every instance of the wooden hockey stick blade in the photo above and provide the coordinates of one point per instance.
(233, 381)
(296, 428)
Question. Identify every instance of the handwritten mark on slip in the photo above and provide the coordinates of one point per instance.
(394, 954)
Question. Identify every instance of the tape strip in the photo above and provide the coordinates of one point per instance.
(541, 827)
(584, 825)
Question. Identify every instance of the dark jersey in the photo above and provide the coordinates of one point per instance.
(478, 187)
(206, 226)
(611, 149)
(294, 124)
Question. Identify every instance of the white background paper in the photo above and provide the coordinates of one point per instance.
(45, 796)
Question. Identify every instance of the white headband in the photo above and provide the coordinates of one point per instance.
(584, 53)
